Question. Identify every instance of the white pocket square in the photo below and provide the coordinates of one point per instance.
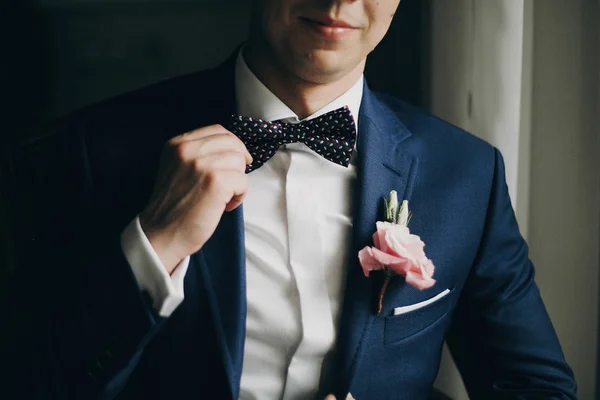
(413, 307)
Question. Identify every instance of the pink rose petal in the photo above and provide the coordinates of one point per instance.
(376, 240)
(427, 265)
(400, 251)
(385, 258)
(368, 261)
(418, 281)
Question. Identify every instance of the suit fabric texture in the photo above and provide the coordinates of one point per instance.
(84, 329)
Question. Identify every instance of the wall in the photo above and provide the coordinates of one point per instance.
(565, 183)
(523, 74)
(70, 53)
(64, 54)
(61, 55)
(477, 61)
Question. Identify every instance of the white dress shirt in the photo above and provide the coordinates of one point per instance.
(297, 222)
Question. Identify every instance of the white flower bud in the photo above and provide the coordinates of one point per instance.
(403, 215)
(392, 207)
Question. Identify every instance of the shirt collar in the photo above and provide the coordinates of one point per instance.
(254, 99)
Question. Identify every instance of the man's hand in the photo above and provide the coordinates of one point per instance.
(201, 175)
(332, 397)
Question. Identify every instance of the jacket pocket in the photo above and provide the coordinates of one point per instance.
(414, 318)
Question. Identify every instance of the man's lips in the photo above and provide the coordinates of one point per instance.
(334, 23)
(330, 28)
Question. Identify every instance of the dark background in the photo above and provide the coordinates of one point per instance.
(60, 55)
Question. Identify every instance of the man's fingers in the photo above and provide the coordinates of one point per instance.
(220, 143)
(200, 133)
(206, 132)
(227, 160)
(210, 143)
(248, 156)
(235, 185)
(235, 202)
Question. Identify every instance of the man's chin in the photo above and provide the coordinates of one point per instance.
(323, 67)
(321, 75)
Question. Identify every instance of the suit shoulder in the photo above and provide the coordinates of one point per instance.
(113, 143)
(150, 102)
(442, 147)
(151, 115)
(427, 127)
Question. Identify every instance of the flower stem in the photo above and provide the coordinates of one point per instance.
(386, 282)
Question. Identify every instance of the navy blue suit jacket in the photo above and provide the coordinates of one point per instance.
(85, 330)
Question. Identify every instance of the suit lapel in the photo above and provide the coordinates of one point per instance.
(382, 166)
(221, 261)
(222, 267)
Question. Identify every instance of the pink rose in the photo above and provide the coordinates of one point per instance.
(399, 251)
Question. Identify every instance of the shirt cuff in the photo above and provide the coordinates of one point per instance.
(151, 275)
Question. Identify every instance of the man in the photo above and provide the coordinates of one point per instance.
(150, 280)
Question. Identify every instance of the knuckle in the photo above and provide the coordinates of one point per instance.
(207, 130)
(211, 180)
(181, 151)
(171, 144)
(179, 138)
(242, 164)
(214, 182)
(235, 140)
(198, 165)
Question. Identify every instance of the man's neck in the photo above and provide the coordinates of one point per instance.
(304, 98)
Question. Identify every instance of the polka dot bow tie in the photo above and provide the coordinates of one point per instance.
(331, 135)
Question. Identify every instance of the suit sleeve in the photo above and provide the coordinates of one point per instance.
(501, 337)
(79, 321)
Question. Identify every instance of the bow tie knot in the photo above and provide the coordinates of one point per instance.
(332, 135)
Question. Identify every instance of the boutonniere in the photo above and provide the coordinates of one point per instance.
(396, 251)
